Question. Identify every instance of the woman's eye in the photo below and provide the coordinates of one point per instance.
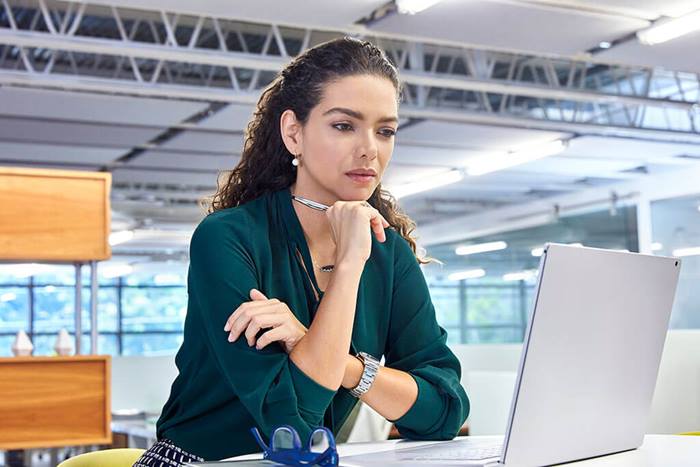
(342, 126)
(388, 132)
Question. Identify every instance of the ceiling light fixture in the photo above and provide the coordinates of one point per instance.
(468, 274)
(488, 163)
(426, 183)
(690, 251)
(539, 251)
(122, 236)
(411, 7)
(480, 248)
(666, 30)
(520, 275)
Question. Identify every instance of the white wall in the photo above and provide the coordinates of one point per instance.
(488, 374)
(676, 404)
(142, 382)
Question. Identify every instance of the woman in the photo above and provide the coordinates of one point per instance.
(283, 297)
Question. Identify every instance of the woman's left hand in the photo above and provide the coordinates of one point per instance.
(263, 313)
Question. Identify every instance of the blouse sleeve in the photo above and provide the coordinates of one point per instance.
(417, 345)
(270, 386)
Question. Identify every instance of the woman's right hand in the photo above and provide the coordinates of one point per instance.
(352, 224)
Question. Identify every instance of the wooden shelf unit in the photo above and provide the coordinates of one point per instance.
(54, 215)
(55, 401)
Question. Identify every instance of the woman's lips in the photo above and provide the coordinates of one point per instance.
(361, 179)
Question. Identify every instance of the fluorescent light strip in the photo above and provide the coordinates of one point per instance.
(122, 236)
(670, 29)
(469, 274)
(411, 7)
(520, 275)
(690, 251)
(427, 183)
(488, 163)
(480, 248)
(540, 251)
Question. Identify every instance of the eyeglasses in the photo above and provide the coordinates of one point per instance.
(286, 447)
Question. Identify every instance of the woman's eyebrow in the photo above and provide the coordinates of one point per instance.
(357, 115)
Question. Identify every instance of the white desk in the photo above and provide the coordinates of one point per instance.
(657, 451)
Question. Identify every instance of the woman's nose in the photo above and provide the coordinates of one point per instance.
(368, 148)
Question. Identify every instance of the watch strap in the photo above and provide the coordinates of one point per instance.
(369, 373)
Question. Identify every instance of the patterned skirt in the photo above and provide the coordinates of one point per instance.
(165, 454)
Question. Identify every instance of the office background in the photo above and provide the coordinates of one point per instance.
(603, 119)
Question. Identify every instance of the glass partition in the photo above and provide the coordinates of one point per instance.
(676, 232)
(494, 307)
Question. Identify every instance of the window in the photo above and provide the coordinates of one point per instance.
(676, 231)
(142, 314)
(14, 303)
(495, 308)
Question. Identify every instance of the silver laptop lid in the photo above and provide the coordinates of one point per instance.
(591, 354)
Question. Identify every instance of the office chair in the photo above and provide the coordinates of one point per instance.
(105, 458)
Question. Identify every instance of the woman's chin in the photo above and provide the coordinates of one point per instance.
(356, 194)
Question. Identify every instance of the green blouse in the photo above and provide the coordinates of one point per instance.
(223, 389)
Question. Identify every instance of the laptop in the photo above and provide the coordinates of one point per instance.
(588, 367)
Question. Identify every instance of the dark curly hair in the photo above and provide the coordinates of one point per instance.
(265, 161)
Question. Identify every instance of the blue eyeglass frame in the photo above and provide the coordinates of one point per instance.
(299, 455)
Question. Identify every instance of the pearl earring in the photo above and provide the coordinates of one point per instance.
(295, 161)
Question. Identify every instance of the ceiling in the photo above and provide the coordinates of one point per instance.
(157, 181)
(597, 229)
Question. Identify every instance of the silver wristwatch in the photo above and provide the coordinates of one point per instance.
(368, 374)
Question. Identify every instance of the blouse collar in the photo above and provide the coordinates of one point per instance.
(295, 232)
(289, 217)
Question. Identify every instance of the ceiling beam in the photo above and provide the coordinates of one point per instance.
(199, 93)
(272, 63)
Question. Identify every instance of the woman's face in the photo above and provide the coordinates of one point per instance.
(350, 132)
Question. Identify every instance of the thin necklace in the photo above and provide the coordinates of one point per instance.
(319, 207)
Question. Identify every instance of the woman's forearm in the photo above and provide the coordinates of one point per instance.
(392, 394)
(322, 352)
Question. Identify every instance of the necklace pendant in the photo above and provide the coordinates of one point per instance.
(328, 268)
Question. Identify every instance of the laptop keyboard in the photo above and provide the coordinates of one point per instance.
(463, 449)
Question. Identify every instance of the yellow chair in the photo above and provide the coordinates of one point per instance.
(106, 458)
(691, 433)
